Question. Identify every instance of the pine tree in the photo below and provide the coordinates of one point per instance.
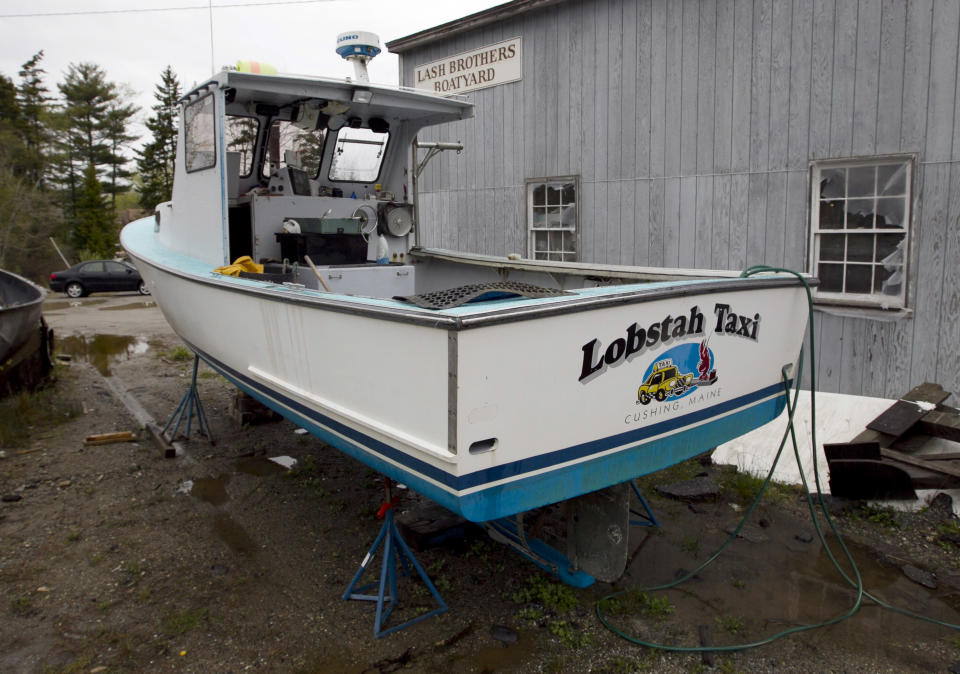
(33, 102)
(155, 162)
(94, 231)
(92, 127)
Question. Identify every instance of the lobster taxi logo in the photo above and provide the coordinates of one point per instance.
(678, 372)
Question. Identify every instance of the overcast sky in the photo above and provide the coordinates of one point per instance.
(134, 46)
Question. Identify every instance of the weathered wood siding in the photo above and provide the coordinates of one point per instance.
(691, 124)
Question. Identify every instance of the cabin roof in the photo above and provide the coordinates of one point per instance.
(385, 101)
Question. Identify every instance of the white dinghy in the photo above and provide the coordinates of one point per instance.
(492, 385)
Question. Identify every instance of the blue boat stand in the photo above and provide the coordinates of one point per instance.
(387, 598)
(646, 517)
(189, 406)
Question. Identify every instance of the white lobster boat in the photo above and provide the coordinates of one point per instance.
(554, 380)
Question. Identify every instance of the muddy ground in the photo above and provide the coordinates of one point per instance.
(116, 559)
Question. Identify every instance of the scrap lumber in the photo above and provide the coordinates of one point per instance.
(109, 438)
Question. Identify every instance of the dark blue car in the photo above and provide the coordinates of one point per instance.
(97, 276)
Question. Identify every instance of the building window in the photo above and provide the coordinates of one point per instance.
(859, 232)
(552, 219)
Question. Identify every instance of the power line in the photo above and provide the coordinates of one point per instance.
(145, 10)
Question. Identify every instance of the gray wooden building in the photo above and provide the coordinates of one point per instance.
(822, 136)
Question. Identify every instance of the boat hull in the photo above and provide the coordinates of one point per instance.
(20, 311)
(500, 408)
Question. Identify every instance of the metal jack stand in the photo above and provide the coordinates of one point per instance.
(189, 405)
(394, 549)
(646, 517)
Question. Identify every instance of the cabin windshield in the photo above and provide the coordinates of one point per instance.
(241, 137)
(290, 145)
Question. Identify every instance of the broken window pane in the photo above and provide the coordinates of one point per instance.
(833, 183)
(861, 181)
(860, 214)
(892, 180)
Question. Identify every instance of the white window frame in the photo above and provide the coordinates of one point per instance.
(570, 229)
(874, 299)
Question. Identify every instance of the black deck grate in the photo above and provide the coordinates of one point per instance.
(479, 292)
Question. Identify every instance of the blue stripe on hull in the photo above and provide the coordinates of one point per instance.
(551, 486)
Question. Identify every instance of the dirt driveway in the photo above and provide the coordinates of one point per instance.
(113, 558)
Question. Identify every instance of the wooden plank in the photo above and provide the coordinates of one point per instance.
(929, 274)
(757, 219)
(657, 218)
(688, 222)
(801, 39)
(760, 86)
(890, 85)
(628, 100)
(671, 223)
(600, 223)
(109, 438)
(916, 69)
(611, 254)
(587, 216)
(613, 74)
(821, 78)
(867, 80)
(828, 367)
(775, 233)
(628, 222)
(706, 94)
(852, 356)
(796, 221)
(948, 351)
(742, 77)
(550, 75)
(781, 34)
(723, 93)
(720, 233)
(575, 101)
(687, 111)
(844, 75)
(739, 220)
(874, 378)
(602, 102)
(642, 229)
(933, 466)
(565, 165)
(942, 92)
(674, 56)
(590, 116)
(658, 89)
(643, 92)
(704, 222)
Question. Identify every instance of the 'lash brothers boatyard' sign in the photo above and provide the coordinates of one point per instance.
(471, 70)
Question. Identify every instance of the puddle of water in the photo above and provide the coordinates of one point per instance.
(101, 350)
(212, 490)
(497, 657)
(57, 305)
(236, 538)
(781, 582)
(133, 305)
(258, 466)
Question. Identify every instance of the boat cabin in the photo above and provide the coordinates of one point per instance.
(281, 168)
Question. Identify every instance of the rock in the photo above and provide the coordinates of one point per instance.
(749, 533)
(920, 576)
(764, 523)
(63, 484)
(804, 537)
(504, 635)
(697, 489)
(10, 498)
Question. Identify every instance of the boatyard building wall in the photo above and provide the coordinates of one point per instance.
(693, 130)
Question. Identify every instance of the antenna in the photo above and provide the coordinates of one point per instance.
(359, 48)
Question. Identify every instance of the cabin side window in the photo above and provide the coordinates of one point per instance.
(199, 138)
(552, 219)
(859, 230)
(358, 155)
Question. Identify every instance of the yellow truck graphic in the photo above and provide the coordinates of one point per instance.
(665, 381)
